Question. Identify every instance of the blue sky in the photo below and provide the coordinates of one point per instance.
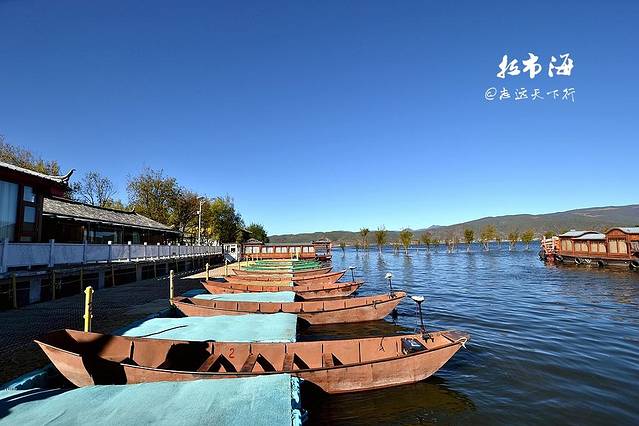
(331, 115)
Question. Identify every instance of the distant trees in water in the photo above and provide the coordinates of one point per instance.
(406, 238)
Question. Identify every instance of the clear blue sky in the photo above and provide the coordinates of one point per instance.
(331, 115)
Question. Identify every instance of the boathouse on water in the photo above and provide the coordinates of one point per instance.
(254, 249)
(34, 208)
(616, 247)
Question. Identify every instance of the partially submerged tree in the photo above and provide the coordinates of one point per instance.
(364, 233)
(427, 239)
(342, 245)
(527, 237)
(381, 238)
(435, 242)
(513, 237)
(469, 237)
(486, 235)
(405, 237)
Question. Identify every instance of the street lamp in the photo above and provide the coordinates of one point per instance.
(199, 223)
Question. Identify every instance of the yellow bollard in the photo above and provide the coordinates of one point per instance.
(88, 308)
(14, 291)
(207, 271)
(171, 287)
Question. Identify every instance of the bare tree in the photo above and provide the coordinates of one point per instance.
(95, 189)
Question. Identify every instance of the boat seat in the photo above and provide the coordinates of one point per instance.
(330, 360)
(291, 360)
(215, 363)
(249, 364)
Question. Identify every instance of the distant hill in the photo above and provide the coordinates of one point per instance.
(595, 218)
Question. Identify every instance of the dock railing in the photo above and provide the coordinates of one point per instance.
(52, 254)
(549, 244)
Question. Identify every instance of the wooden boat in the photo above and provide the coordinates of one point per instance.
(243, 272)
(305, 292)
(335, 366)
(346, 310)
(327, 278)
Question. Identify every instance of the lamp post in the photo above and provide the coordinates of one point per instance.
(389, 277)
(419, 300)
(199, 223)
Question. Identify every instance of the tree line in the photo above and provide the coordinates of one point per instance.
(451, 240)
(153, 194)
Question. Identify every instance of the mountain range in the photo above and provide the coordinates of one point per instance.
(593, 218)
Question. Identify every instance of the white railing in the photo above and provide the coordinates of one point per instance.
(27, 255)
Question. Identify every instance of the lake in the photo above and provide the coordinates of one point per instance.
(549, 344)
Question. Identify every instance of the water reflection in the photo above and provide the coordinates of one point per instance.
(549, 344)
(427, 402)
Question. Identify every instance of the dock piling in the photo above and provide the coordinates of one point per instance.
(14, 291)
(171, 287)
(88, 308)
(207, 271)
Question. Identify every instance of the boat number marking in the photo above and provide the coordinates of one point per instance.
(231, 352)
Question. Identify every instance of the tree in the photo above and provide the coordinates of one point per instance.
(513, 237)
(153, 195)
(224, 220)
(94, 189)
(435, 242)
(184, 214)
(469, 237)
(549, 234)
(527, 237)
(258, 232)
(426, 239)
(342, 245)
(381, 237)
(405, 237)
(364, 233)
(26, 159)
(487, 234)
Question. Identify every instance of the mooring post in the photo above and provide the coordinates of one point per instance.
(207, 271)
(14, 290)
(226, 267)
(171, 287)
(53, 284)
(88, 308)
(81, 279)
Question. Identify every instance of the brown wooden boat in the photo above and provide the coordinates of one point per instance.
(336, 366)
(355, 309)
(305, 292)
(326, 278)
(278, 273)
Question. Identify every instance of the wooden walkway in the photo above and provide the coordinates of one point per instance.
(112, 308)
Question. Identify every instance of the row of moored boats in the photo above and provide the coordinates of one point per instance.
(336, 366)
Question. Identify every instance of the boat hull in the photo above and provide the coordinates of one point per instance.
(277, 273)
(318, 279)
(306, 292)
(335, 366)
(347, 310)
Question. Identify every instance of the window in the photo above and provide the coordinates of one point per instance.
(612, 246)
(29, 214)
(8, 209)
(29, 196)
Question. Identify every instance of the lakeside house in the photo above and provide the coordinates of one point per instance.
(34, 208)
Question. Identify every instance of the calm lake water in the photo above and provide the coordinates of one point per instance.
(550, 345)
